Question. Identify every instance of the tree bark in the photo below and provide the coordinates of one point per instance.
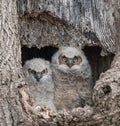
(11, 77)
(61, 22)
(94, 19)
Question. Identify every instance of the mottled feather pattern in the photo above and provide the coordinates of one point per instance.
(66, 84)
(72, 85)
(42, 91)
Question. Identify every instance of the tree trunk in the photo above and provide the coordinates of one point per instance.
(62, 22)
(11, 77)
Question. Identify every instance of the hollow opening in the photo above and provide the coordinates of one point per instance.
(98, 63)
(30, 53)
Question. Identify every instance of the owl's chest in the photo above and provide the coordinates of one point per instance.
(42, 88)
(68, 81)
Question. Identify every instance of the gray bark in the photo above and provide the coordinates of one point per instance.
(62, 22)
(94, 19)
(11, 77)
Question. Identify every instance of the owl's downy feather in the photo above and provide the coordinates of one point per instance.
(39, 78)
(72, 82)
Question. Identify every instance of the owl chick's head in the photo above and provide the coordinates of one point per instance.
(69, 59)
(37, 69)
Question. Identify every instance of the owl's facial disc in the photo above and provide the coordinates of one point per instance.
(76, 60)
(38, 75)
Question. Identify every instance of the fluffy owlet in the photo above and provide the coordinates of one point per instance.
(39, 77)
(72, 78)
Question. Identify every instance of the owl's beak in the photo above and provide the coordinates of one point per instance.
(70, 63)
(38, 77)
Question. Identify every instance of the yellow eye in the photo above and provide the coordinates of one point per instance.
(64, 58)
(75, 59)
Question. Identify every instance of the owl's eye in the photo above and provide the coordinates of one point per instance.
(44, 71)
(75, 59)
(31, 71)
(64, 58)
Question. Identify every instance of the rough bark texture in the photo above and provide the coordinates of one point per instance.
(11, 111)
(74, 23)
(61, 22)
(94, 19)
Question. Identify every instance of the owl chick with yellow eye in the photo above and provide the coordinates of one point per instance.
(72, 77)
